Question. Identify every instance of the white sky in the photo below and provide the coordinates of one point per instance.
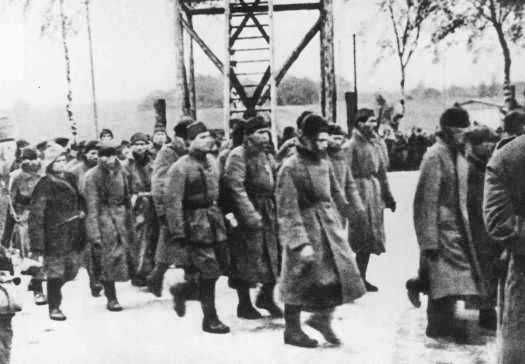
(134, 52)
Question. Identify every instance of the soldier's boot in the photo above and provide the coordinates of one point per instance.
(39, 297)
(54, 296)
(488, 319)
(210, 322)
(440, 318)
(111, 294)
(322, 322)
(192, 289)
(179, 293)
(93, 270)
(265, 300)
(245, 308)
(155, 279)
(293, 334)
(412, 286)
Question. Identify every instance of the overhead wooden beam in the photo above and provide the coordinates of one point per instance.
(256, 21)
(264, 8)
(207, 51)
(293, 57)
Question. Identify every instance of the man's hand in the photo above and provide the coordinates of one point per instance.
(307, 253)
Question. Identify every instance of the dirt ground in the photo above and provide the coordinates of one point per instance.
(379, 328)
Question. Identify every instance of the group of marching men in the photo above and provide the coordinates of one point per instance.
(307, 216)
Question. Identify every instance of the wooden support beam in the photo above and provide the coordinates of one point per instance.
(260, 87)
(191, 81)
(181, 88)
(328, 83)
(256, 21)
(293, 57)
(207, 51)
(226, 71)
(259, 8)
(273, 74)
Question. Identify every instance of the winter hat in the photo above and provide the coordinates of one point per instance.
(22, 143)
(301, 117)
(139, 137)
(180, 128)
(91, 145)
(312, 125)
(254, 124)
(105, 132)
(335, 130)
(29, 153)
(454, 117)
(107, 150)
(63, 142)
(363, 115)
(194, 129)
(41, 146)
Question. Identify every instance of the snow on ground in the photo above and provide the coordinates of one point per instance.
(379, 328)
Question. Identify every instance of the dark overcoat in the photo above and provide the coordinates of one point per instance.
(368, 164)
(56, 225)
(442, 223)
(109, 223)
(250, 182)
(308, 197)
(504, 213)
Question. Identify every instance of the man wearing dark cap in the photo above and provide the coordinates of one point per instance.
(447, 271)
(140, 167)
(91, 257)
(108, 222)
(513, 126)
(368, 165)
(503, 210)
(288, 147)
(249, 181)
(158, 139)
(319, 272)
(168, 155)
(196, 224)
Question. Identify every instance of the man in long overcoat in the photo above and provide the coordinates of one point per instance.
(108, 223)
(166, 157)
(504, 212)
(368, 161)
(441, 220)
(56, 230)
(249, 180)
(196, 224)
(140, 167)
(318, 268)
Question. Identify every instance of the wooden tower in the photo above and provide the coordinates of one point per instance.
(251, 76)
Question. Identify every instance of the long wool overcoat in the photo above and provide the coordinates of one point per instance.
(250, 182)
(368, 165)
(56, 228)
(504, 212)
(308, 197)
(109, 223)
(442, 223)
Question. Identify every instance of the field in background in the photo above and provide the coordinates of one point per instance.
(125, 118)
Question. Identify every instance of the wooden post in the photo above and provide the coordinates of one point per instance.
(273, 75)
(226, 73)
(191, 86)
(328, 81)
(180, 71)
(92, 68)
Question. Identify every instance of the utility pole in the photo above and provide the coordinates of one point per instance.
(92, 67)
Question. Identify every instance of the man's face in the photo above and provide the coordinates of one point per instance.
(336, 141)
(92, 156)
(60, 164)
(140, 147)
(159, 138)
(321, 142)
(108, 161)
(106, 138)
(368, 127)
(458, 135)
(203, 142)
(261, 136)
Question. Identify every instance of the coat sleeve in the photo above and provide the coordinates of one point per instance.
(292, 231)
(36, 220)
(161, 165)
(501, 221)
(173, 200)
(351, 191)
(383, 181)
(337, 192)
(426, 204)
(234, 178)
(93, 202)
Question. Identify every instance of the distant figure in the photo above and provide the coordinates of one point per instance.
(288, 133)
(106, 135)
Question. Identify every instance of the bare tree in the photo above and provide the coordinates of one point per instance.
(408, 18)
(476, 17)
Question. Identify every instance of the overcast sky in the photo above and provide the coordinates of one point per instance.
(135, 53)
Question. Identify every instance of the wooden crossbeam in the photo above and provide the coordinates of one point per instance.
(293, 57)
(259, 8)
(260, 87)
(238, 31)
(256, 21)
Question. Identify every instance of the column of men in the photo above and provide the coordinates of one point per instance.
(131, 212)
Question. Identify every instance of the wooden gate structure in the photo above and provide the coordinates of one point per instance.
(250, 74)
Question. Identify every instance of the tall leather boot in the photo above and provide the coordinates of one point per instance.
(322, 322)
(54, 297)
(245, 308)
(293, 334)
(111, 295)
(441, 321)
(210, 322)
(155, 279)
(362, 260)
(265, 300)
